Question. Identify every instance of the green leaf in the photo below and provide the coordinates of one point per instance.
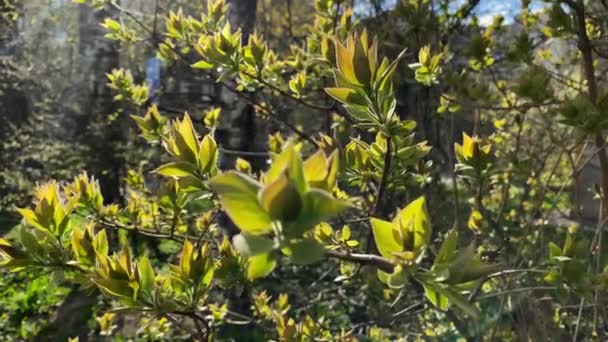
(208, 154)
(202, 65)
(322, 206)
(176, 169)
(281, 199)
(435, 297)
(250, 245)
(466, 267)
(441, 296)
(31, 218)
(239, 197)
(289, 163)
(114, 287)
(398, 279)
(448, 248)
(30, 242)
(260, 265)
(554, 250)
(414, 223)
(382, 276)
(307, 251)
(315, 169)
(318, 206)
(185, 139)
(185, 260)
(385, 238)
(146, 275)
(461, 302)
(100, 242)
(346, 96)
(190, 184)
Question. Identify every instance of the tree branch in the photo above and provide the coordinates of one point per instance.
(586, 48)
(363, 259)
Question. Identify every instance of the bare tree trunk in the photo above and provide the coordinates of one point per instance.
(103, 137)
(237, 131)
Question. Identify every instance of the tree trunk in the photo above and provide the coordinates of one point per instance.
(237, 131)
(103, 136)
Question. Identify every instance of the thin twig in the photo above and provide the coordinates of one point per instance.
(363, 259)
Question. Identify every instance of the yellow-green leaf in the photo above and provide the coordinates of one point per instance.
(250, 245)
(448, 248)
(318, 206)
(202, 65)
(333, 169)
(260, 265)
(208, 154)
(414, 223)
(31, 218)
(290, 163)
(398, 279)
(435, 297)
(347, 96)
(185, 139)
(385, 238)
(176, 169)
(146, 275)
(281, 199)
(186, 258)
(344, 60)
(315, 169)
(239, 197)
(306, 251)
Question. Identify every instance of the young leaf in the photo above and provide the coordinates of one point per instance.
(185, 260)
(146, 275)
(289, 163)
(315, 169)
(281, 199)
(250, 245)
(460, 302)
(306, 251)
(239, 197)
(31, 218)
(202, 65)
(398, 279)
(346, 96)
(554, 250)
(260, 265)
(318, 206)
(414, 222)
(176, 169)
(185, 139)
(448, 248)
(385, 238)
(208, 154)
(435, 297)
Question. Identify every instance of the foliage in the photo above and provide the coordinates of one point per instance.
(364, 201)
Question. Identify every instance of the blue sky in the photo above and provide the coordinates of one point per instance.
(487, 9)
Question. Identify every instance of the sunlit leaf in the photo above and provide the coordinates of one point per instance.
(260, 265)
(251, 245)
(281, 199)
(239, 197)
(385, 239)
(176, 169)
